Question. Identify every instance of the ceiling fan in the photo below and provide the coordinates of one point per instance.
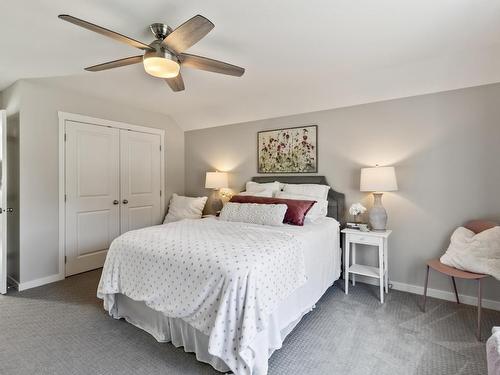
(165, 55)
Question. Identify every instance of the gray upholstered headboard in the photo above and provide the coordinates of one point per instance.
(336, 200)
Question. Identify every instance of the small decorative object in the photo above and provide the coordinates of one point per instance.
(290, 150)
(216, 180)
(378, 180)
(226, 194)
(363, 227)
(356, 210)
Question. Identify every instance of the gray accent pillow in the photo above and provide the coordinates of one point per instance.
(254, 213)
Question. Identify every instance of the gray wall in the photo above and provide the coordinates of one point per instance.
(40, 102)
(445, 146)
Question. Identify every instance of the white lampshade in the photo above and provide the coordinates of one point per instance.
(378, 179)
(216, 180)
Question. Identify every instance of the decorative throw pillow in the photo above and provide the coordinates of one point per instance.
(263, 193)
(317, 211)
(252, 186)
(316, 191)
(479, 253)
(254, 213)
(181, 207)
(295, 213)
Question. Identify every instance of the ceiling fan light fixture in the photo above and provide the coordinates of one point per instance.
(160, 63)
(161, 67)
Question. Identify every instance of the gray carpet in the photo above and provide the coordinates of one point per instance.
(62, 329)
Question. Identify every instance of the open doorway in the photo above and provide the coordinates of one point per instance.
(9, 201)
(3, 200)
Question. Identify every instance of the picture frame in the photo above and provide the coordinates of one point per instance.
(288, 150)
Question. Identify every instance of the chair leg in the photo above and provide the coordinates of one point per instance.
(455, 288)
(479, 298)
(425, 288)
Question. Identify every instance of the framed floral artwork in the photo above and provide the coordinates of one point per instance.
(289, 150)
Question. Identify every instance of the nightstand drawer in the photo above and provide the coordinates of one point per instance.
(364, 239)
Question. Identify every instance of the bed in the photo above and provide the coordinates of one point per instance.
(205, 285)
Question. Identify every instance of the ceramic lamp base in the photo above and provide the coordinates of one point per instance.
(216, 202)
(378, 214)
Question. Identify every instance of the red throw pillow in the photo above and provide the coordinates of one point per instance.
(295, 213)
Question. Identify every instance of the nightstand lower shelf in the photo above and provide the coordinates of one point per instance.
(360, 269)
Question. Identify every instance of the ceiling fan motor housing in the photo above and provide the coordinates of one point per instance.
(160, 30)
(160, 51)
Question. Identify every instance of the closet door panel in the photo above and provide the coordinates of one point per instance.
(140, 170)
(92, 191)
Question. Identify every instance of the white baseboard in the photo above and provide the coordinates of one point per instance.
(436, 293)
(39, 282)
(448, 296)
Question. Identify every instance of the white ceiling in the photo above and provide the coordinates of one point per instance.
(300, 56)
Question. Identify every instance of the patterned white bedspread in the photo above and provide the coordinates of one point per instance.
(223, 278)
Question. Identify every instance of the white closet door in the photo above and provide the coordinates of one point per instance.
(92, 194)
(140, 170)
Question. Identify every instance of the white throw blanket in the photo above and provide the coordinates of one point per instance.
(493, 352)
(223, 278)
(479, 253)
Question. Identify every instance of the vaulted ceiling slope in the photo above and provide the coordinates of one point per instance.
(300, 56)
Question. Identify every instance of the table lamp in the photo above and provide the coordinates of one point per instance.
(216, 181)
(378, 180)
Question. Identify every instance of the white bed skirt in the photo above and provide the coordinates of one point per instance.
(181, 334)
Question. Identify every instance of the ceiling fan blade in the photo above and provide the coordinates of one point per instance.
(211, 65)
(188, 34)
(104, 31)
(115, 63)
(176, 83)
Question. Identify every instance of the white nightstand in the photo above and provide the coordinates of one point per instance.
(374, 238)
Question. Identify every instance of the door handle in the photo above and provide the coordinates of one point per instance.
(116, 201)
(9, 210)
(125, 201)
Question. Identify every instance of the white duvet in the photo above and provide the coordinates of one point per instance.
(223, 278)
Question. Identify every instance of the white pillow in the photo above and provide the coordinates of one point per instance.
(318, 210)
(184, 208)
(263, 193)
(269, 186)
(254, 213)
(311, 190)
(479, 253)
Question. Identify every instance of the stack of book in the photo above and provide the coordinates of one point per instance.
(353, 225)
